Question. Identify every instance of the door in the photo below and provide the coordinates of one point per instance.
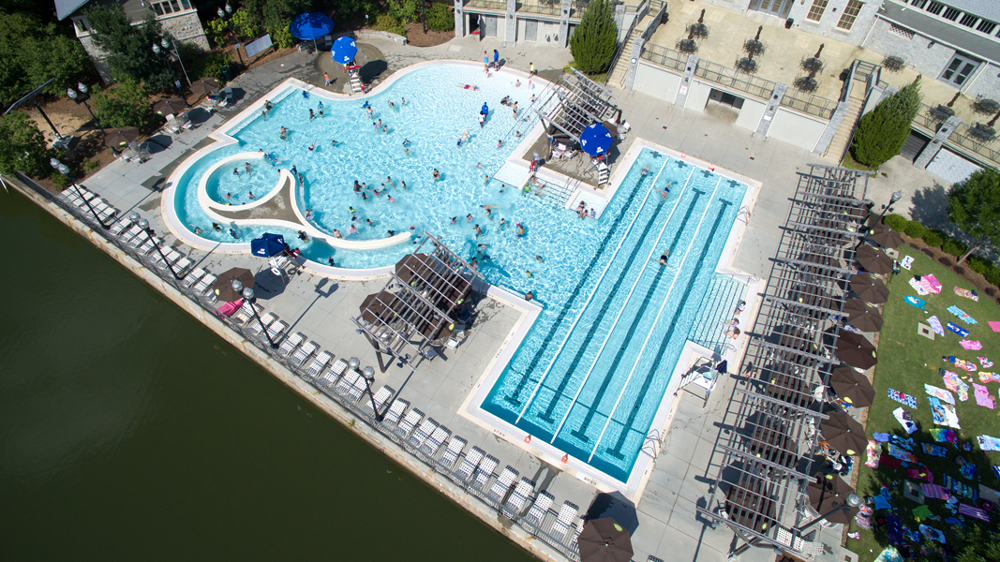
(914, 145)
(958, 70)
(491, 24)
(531, 30)
(778, 8)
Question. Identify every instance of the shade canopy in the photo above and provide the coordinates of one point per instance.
(344, 50)
(829, 498)
(310, 25)
(614, 505)
(170, 106)
(862, 315)
(852, 386)
(856, 350)
(844, 434)
(267, 245)
(224, 284)
(604, 540)
(204, 86)
(120, 136)
(886, 237)
(874, 260)
(869, 289)
(596, 139)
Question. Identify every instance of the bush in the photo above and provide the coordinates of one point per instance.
(954, 247)
(895, 222)
(593, 41)
(914, 229)
(993, 276)
(91, 165)
(23, 147)
(60, 181)
(404, 11)
(281, 37)
(979, 265)
(440, 18)
(934, 238)
(882, 132)
(123, 105)
(385, 22)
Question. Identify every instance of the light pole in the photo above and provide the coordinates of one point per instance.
(171, 44)
(247, 293)
(82, 96)
(64, 170)
(143, 225)
(369, 375)
(222, 15)
(896, 196)
(177, 83)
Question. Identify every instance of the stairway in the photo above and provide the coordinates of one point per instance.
(617, 78)
(838, 145)
(556, 195)
(356, 85)
(718, 306)
(603, 174)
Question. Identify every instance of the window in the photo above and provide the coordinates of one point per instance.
(986, 26)
(850, 14)
(951, 14)
(817, 9)
(935, 8)
(969, 20)
(900, 30)
(918, 3)
(169, 6)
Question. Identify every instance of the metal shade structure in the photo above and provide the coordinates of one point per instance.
(120, 136)
(750, 504)
(596, 139)
(874, 260)
(856, 350)
(604, 540)
(830, 499)
(204, 86)
(863, 316)
(869, 289)
(852, 387)
(844, 434)
(170, 106)
(267, 245)
(575, 103)
(885, 236)
(344, 50)
(224, 284)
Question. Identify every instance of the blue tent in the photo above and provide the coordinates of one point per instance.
(344, 50)
(267, 245)
(596, 139)
(310, 25)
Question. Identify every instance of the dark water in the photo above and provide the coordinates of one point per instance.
(129, 431)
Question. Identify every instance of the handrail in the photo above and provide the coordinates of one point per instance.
(640, 13)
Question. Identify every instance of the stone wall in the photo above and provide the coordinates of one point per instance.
(827, 25)
(186, 28)
(923, 54)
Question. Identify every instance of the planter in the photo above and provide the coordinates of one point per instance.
(746, 64)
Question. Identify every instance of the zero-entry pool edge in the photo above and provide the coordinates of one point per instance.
(633, 486)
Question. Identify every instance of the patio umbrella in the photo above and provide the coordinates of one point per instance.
(856, 350)
(829, 498)
(344, 50)
(615, 506)
(310, 25)
(862, 315)
(869, 289)
(885, 236)
(204, 87)
(852, 387)
(874, 260)
(267, 245)
(120, 136)
(843, 433)
(170, 106)
(604, 540)
(595, 139)
(224, 284)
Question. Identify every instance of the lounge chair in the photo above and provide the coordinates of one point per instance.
(575, 533)
(484, 472)
(409, 422)
(182, 265)
(291, 342)
(204, 285)
(348, 382)
(538, 509)
(562, 523)
(502, 484)
(433, 443)
(319, 364)
(452, 451)
(265, 320)
(424, 430)
(119, 226)
(396, 411)
(304, 353)
(276, 328)
(519, 498)
(358, 391)
(382, 397)
(192, 278)
(470, 463)
(243, 314)
(339, 367)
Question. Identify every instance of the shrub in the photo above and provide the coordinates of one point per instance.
(385, 22)
(123, 105)
(882, 132)
(979, 265)
(60, 181)
(404, 11)
(934, 238)
(914, 229)
(954, 247)
(91, 165)
(895, 222)
(440, 18)
(23, 147)
(993, 276)
(281, 37)
(593, 41)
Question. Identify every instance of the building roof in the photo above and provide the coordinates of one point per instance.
(65, 8)
(989, 9)
(940, 30)
(135, 9)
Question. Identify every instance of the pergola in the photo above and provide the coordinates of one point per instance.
(576, 103)
(416, 310)
(765, 463)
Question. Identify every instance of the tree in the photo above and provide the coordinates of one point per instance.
(275, 15)
(593, 41)
(24, 146)
(123, 105)
(32, 52)
(130, 48)
(882, 132)
(974, 207)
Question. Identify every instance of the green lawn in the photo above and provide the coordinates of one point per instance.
(907, 361)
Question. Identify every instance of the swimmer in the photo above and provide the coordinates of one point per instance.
(391, 233)
(216, 227)
(468, 217)
(352, 210)
(486, 178)
(402, 184)
(734, 333)
(197, 230)
(385, 128)
(236, 171)
(283, 134)
(479, 231)
(593, 215)
(539, 258)
(645, 170)
(392, 105)
(303, 236)
(312, 147)
(529, 273)
(406, 142)
(739, 308)
(369, 222)
(336, 233)
(469, 87)
(268, 105)
(520, 230)
(330, 261)
(311, 114)
(403, 101)
(247, 167)
(503, 222)
(391, 200)
(294, 170)
(335, 143)
(663, 258)
(250, 195)
(499, 143)
(229, 197)
(517, 84)
(503, 187)
(454, 220)
(233, 233)
(436, 174)
(529, 296)
(406, 151)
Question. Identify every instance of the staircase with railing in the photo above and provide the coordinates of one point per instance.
(723, 296)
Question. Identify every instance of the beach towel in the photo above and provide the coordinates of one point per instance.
(885, 461)
(943, 414)
(987, 443)
(873, 451)
(906, 443)
(906, 262)
(227, 309)
(958, 329)
(944, 435)
(965, 293)
(994, 325)
(972, 511)
(934, 450)
(983, 397)
(919, 287)
(933, 534)
(996, 471)
(936, 491)
(936, 325)
(955, 384)
(880, 502)
(921, 474)
(905, 419)
(986, 363)
(903, 398)
(968, 470)
(973, 345)
(914, 301)
(932, 284)
(961, 315)
(901, 454)
(921, 512)
(941, 393)
(986, 376)
(881, 437)
(959, 488)
(889, 553)
(962, 363)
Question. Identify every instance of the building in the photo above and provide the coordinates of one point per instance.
(179, 18)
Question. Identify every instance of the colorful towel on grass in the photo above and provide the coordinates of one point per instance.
(882, 437)
(983, 397)
(961, 363)
(972, 511)
(936, 491)
(889, 553)
(986, 376)
(902, 454)
(921, 512)
(919, 286)
(933, 534)
(906, 262)
(903, 398)
(932, 284)
(965, 293)
(905, 419)
(994, 325)
(873, 451)
(885, 461)
(941, 393)
(959, 488)
(968, 470)
(944, 435)
(987, 443)
(962, 315)
(972, 345)
(934, 450)
(914, 301)
(936, 325)
(996, 471)
(943, 414)
(894, 529)
(958, 329)
(986, 363)
(882, 500)
(921, 474)
(955, 384)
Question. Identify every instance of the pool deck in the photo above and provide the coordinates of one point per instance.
(321, 308)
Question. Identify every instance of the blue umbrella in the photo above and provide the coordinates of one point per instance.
(596, 139)
(344, 50)
(310, 25)
(267, 245)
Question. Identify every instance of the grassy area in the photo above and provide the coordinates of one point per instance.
(906, 362)
(850, 162)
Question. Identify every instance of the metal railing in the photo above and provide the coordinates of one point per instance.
(495, 5)
(663, 56)
(360, 408)
(808, 103)
(543, 8)
(965, 138)
(626, 42)
(928, 119)
(732, 78)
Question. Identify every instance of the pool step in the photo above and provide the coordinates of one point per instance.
(603, 174)
(356, 86)
(723, 295)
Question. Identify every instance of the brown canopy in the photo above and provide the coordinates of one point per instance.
(885, 236)
(604, 540)
(862, 315)
(869, 289)
(856, 350)
(844, 434)
(852, 386)
(874, 260)
(829, 498)
(224, 284)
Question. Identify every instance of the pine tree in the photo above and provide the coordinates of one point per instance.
(593, 41)
(882, 132)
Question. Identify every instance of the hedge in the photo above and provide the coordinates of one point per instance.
(896, 222)
(979, 265)
(440, 18)
(914, 229)
(934, 238)
(954, 247)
